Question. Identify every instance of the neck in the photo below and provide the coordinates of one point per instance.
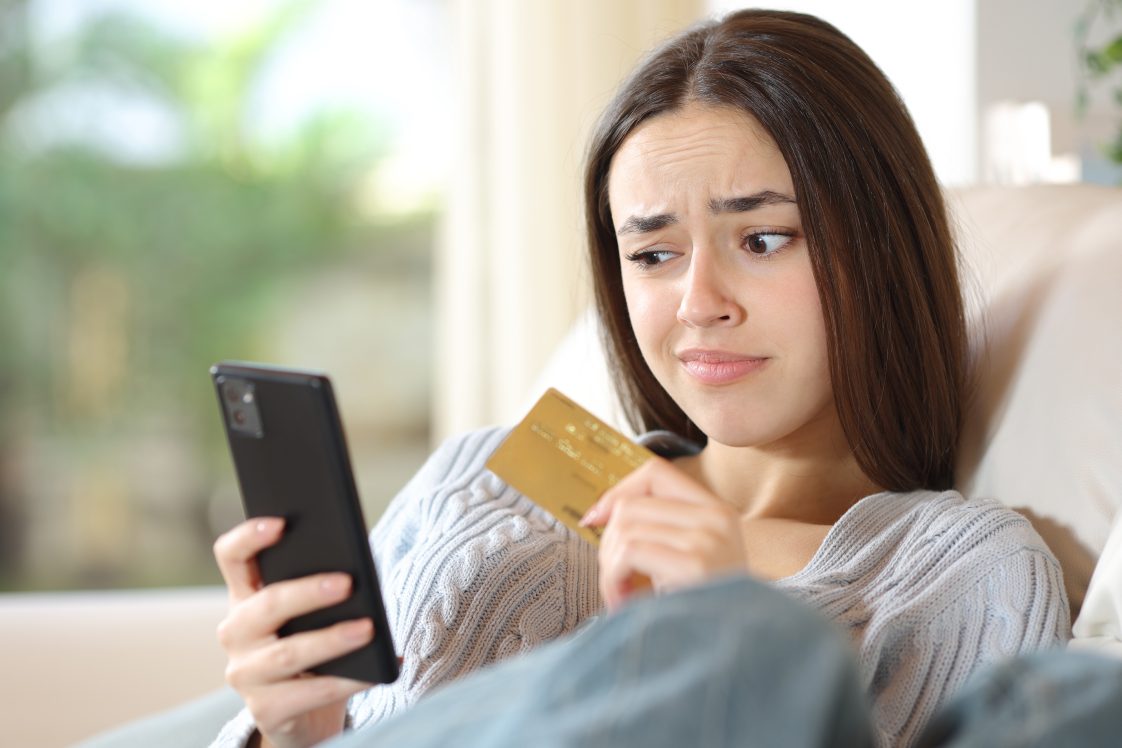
(813, 486)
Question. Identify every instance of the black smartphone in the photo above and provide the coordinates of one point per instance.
(291, 459)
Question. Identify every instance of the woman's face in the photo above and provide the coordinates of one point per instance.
(717, 277)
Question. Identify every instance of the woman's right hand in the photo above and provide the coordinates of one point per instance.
(291, 707)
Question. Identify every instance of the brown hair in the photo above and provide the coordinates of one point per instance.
(876, 227)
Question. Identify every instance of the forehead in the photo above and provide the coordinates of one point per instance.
(704, 151)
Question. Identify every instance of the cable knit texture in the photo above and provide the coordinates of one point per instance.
(929, 586)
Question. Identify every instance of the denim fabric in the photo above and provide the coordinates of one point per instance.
(1050, 699)
(731, 663)
(734, 662)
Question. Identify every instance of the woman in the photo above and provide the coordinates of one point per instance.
(776, 278)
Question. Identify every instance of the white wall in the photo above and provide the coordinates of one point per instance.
(1027, 52)
(928, 52)
(952, 61)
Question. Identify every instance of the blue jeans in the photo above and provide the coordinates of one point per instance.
(737, 663)
(1049, 699)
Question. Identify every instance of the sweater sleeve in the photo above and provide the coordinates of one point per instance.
(1003, 597)
(471, 572)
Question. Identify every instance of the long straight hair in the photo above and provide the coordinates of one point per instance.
(876, 226)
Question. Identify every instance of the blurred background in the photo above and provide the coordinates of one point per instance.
(387, 190)
(182, 182)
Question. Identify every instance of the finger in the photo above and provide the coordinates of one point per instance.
(618, 536)
(661, 477)
(661, 566)
(618, 592)
(655, 477)
(668, 555)
(259, 616)
(275, 706)
(236, 552)
(672, 512)
(601, 511)
(619, 578)
(289, 656)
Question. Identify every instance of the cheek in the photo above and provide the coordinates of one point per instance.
(809, 327)
(651, 310)
(795, 322)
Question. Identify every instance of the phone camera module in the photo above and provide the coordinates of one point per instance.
(241, 407)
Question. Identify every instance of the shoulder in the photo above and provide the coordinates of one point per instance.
(943, 545)
(940, 525)
(941, 556)
(458, 461)
(935, 585)
(457, 514)
(928, 552)
(463, 455)
(454, 494)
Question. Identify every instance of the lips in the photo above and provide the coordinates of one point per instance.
(719, 367)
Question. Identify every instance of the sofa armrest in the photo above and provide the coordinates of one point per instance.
(78, 663)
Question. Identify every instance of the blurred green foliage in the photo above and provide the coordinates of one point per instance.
(190, 255)
(1101, 61)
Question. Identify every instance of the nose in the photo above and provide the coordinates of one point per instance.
(707, 299)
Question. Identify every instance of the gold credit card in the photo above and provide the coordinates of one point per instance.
(564, 458)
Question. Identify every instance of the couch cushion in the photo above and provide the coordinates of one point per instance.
(1044, 431)
(1099, 625)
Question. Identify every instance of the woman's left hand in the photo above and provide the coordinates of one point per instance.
(663, 526)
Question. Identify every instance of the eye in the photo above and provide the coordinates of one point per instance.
(766, 243)
(649, 258)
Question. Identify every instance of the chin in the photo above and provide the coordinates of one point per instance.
(738, 438)
(760, 427)
(747, 430)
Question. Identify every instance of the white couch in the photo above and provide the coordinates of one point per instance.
(1044, 435)
(75, 664)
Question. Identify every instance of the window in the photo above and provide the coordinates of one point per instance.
(184, 182)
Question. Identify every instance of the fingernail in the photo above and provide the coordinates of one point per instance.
(266, 525)
(357, 631)
(334, 584)
(592, 515)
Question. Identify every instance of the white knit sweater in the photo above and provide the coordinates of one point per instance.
(929, 586)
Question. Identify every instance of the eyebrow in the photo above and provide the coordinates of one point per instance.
(646, 224)
(745, 204)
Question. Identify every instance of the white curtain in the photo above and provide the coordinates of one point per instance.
(531, 77)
